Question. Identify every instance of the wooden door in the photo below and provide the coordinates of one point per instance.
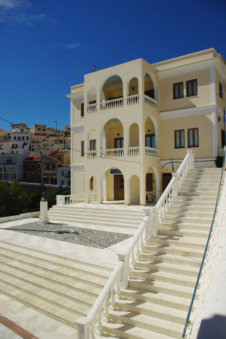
(118, 187)
(166, 177)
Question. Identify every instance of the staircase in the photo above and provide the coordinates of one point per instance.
(160, 287)
(123, 219)
(58, 286)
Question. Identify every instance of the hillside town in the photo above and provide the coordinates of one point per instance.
(39, 155)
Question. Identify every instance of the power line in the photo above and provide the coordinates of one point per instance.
(11, 123)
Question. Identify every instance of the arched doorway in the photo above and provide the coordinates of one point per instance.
(134, 190)
(149, 86)
(114, 184)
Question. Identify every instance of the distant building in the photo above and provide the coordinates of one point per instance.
(39, 129)
(32, 168)
(20, 128)
(11, 165)
(64, 175)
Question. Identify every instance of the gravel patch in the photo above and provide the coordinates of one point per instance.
(72, 234)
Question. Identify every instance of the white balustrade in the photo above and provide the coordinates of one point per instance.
(172, 189)
(91, 154)
(70, 199)
(151, 151)
(133, 99)
(92, 324)
(91, 108)
(134, 151)
(92, 197)
(150, 101)
(111, 103)
(113, 152)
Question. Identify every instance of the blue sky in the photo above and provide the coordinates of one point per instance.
(39, 39)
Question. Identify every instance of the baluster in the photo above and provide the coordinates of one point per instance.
(105, 312)
(112, 298)
(99, 325)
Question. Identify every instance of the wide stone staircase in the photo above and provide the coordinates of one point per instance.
(58, 286)
(118, 219)
(161, 284)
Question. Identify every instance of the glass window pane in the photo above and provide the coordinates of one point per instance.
(196, 137)
(190, 138)
(182, 138)
(177, 139)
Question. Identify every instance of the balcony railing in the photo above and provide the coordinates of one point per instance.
(113, 152)
(133, 99)
(111, 103)
(134, 151)
(151, 151)
(150, 101)
(92, 107)
(91, 154)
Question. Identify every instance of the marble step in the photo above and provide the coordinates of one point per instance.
(75, 271)
(167, 267)
(180, 251)
(89, 214)
(160, 298)
(158, 311)
(147, 322)
(118, 330)
(64, 261)
(100, 211)
(187, 242)
(163, 287)
(94, 220)
(188, 219)
(64, 284)
(186, 213)
(9, 287)
(167, 277)
(170, 258)
(183, 232)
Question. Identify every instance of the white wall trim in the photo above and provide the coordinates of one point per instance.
(214, 129)
(77, 129)
(77, 167)
(181, 113)
(213, 85)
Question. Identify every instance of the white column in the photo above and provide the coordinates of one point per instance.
(104, 188)
(213, 85)
(143, 189)
(99, 190)
(126, 191)
(126, 139)
(214, 133)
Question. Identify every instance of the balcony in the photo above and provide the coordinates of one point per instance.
(111, 103)
(120, 152)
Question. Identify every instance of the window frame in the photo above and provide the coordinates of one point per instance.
(180, 138)
(193, 87)
(82, 148)
(193, 137)
(92, 145)
(151, 137)
(177, 85)
(221, 90)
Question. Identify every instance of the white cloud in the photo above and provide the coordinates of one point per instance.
(15, 11)
(72, 45)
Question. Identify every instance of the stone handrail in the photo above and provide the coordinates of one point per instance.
(91, 154)
(88, 326)
(172, 188)
(151, 151)
(150, 101)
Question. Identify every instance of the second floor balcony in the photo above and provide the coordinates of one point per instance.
(123, 152)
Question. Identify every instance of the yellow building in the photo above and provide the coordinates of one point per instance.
(131, 125)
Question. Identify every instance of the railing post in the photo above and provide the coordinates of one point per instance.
(154, 222)
(60, 200)
(189, 151)
(82, 328)
(124, 258)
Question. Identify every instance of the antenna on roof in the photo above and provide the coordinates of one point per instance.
(73, 63)
(94, 68)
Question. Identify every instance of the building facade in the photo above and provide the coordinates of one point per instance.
(131, 125)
